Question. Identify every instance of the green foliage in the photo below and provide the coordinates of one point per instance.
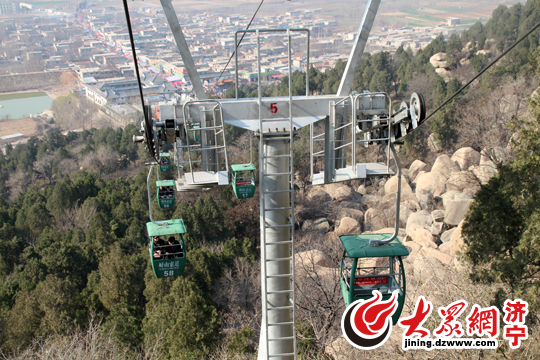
(197, 216)
(478, 62)
(241, 342)
(444, 123)
(187, 321)
(100, 151)
(306, 335)
(234, 248)
(502, 226)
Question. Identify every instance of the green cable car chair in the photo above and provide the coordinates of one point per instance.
(243, 180)
(167, 260)
(365, 268)
(197, 135)
(164, 161)
(165, 193)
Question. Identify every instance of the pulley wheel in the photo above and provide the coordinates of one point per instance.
(418, 109)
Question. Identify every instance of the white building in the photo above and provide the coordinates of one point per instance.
(9, 7)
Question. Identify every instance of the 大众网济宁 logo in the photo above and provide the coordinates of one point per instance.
(367, 324)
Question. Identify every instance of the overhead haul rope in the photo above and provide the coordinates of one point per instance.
(135, 60)
(483, 70)
(242, 38)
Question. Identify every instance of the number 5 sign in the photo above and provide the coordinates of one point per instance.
(275, 109)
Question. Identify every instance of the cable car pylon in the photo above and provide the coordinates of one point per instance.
(276, 174)
(275, 120)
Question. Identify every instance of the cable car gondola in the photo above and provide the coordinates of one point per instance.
(166, 244)
(165, 193)
(243, 180)
(197, 135)
(374, 261)
(164, 161)
(167, 249)
(244, 176)
(360, 274)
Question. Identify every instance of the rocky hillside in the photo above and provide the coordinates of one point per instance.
(434, 202)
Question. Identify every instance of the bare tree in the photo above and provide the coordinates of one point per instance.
(76, 215)
(18, 182)
(484, 119)
(68, 166)
(44, 167)
(90, 343)
(108, 159)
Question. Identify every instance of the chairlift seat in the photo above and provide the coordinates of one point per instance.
(165, 198)
(164, 161)
(244, 180)
(358, 282)
(174, 264)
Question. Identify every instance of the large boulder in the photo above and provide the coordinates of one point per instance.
(446, 259)
(466, 194)
(455, 245)
(455, 211)
(308, 259)
(434, 181)
(362, 190)
(355, 214)
(321, 224)
(466, 157)
(374, 219)
(457, 240)
(447, 235)
(351, 205)
(449, 195)
(422, 218)
(413, 247)
(460, 180)
(444, 73)
(438, 60)
(406, 208)
(317, 194)
(421, 236)
(438, 215)
(348, 226)
(425, 199)
(437, 228)
(391, 186)
(485, 170)
(444, 165)
(421, 172)
(415, 168)
(339, 192)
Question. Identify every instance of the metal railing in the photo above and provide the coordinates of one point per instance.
(204, 147)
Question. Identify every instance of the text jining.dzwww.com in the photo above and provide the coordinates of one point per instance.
(449, 343)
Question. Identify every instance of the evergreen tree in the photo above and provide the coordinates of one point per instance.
(501, 231)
